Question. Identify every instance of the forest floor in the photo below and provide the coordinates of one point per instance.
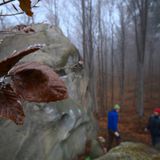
(131, 126)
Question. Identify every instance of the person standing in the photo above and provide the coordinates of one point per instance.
(154, 127)
(113, 133)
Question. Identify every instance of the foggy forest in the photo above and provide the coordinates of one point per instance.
(116, 63)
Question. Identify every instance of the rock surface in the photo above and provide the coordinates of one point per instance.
(51, 130)
(131, 151)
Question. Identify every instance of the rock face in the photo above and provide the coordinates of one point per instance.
(131, 151)
(52, 131)
(58, 48)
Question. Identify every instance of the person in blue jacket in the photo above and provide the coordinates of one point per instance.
(113, 133)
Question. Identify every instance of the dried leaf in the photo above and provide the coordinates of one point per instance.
(25, 5)
(11, 60)
(10, 106)
(37, 83)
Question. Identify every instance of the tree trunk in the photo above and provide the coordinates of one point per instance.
(140, 89)
(112, 68)
(122, 82)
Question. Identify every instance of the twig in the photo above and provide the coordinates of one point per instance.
(5, 2)
(12, 14)
(19, 13)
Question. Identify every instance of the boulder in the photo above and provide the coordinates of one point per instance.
(51, 130)
(96, 149)
(131, 151)
(58, 51)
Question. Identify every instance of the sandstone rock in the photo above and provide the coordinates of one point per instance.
(131, 151)
(51, 131)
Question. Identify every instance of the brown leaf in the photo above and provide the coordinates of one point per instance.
(11, 60)
(10, 106)
(25, 5)
(37, 83)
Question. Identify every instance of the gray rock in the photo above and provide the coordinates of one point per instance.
(131, 151)
(96, 149)
(56, 53)
(51, 130)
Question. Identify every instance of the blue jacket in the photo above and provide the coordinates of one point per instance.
(113, 120)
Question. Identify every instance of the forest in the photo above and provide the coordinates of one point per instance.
(118, 48)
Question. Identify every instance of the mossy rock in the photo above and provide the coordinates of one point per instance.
(131, 151)
(56, 53)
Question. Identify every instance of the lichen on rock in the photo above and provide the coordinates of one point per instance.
(131, 151)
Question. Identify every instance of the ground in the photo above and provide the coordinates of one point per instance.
(131, 126)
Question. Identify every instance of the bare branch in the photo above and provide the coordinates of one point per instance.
(5, 2)
(18, 13)
(12, 14)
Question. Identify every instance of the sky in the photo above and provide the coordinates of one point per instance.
(39, 13)
(67, 12)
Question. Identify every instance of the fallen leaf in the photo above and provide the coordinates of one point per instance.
(7, 63)
(10, 106)
(25, 5)
(36, 82)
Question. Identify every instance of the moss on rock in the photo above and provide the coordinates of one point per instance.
(131, 151)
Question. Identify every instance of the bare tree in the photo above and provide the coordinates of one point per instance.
(139, 10)
(83, 28)
(101, 81)
(52, 12)
(112, 33)
(122, 42)
(2, 23)
(87, 43)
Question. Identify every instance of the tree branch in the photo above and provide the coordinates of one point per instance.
(18, 13)
(12, 14)
(5, 2)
